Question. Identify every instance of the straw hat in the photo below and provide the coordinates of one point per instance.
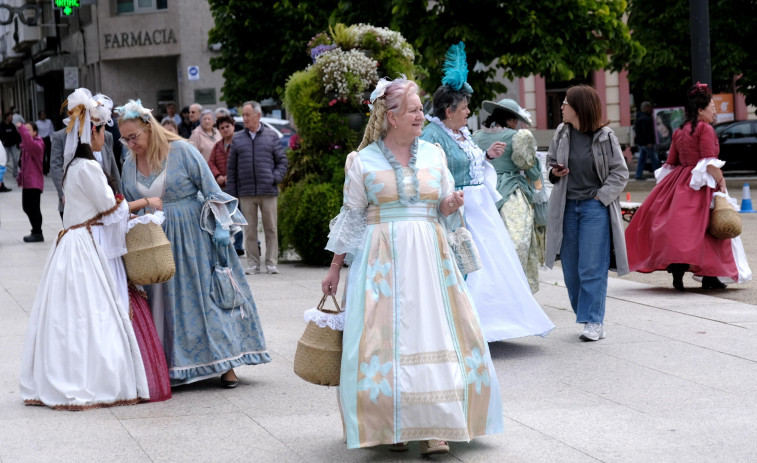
(509, 106)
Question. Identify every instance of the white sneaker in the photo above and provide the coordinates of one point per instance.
(252, 270)
(593, 332)
(272, 269)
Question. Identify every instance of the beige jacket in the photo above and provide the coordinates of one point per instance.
(613, 172)
(204, 142)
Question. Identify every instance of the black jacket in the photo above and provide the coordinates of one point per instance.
(644, 129)
(9, 135)
(255, 167)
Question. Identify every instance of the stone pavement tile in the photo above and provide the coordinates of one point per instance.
(195, 399)
(703, 366)
(47, 435)
(279, 392)
(597, 427)
(14, 322)
(220, 437)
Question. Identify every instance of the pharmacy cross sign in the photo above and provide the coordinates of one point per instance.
(66, 5)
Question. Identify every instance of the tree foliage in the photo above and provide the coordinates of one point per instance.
(262, 43)
(663, 29)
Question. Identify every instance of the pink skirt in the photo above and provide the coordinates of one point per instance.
(153, 357)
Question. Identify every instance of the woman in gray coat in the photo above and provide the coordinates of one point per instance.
(585, 226)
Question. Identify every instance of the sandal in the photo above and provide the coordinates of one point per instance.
(400, 447)
(434, 447)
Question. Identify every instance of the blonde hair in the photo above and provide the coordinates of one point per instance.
(393, 100)
(159, 143)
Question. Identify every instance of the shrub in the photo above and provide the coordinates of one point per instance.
(304, 216)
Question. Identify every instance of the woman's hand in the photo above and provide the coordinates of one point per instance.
(331, 282)
(156, 203)
(496, 150)
(721, 185)
(452, 203)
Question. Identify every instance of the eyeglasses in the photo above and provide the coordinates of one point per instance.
(131, 139)
(565, 102)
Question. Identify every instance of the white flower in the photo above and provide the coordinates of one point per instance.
(348, 73)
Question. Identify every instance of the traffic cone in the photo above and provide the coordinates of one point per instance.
(746, 200)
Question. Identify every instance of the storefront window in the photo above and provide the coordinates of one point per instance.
(137, 6)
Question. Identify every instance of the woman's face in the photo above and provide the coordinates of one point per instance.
(569, 115)
(30, 129)
(206, 121)
(410, 122)
(227, 131)
(662, 129)
(135, 137)
(708, 114)
(459, 117)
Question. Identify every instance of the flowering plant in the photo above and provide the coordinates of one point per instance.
(318, 49)
(346, 73)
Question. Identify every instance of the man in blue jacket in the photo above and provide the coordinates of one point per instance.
(256, 165)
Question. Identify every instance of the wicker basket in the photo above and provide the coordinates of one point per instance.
(149, 259)
(318, 358)
(725, 222)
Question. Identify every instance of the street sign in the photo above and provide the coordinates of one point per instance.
(66, 6)
(193, 72)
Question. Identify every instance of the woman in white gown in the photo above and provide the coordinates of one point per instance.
(500, 290)
(81, 351)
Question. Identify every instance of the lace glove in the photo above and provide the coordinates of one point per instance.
(221, 236)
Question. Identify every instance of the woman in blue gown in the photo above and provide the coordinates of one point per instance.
(201, 339)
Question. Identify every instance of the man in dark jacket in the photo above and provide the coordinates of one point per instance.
(256, 165)
(644, 130)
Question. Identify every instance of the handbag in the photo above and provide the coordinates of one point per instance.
(148, 259)
(725, 221)
(318, 358)
(464, 249)
(541, 206)
(224, 290)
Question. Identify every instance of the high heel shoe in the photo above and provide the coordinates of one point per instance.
(434, 447)
(712, 283)
(678, 270)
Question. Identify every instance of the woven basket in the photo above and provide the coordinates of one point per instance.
(725, 222)
(149, 259)
(318, 358)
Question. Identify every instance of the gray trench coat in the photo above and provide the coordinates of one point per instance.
(613, 173)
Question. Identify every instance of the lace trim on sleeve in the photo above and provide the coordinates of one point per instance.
(699, 175)
(347, 231)
(113, 239)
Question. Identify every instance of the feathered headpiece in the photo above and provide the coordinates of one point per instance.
(455, 69)
(84, 111)
(132, 110)
(701, 89)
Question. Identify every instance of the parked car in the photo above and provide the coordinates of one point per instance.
(282, 127)
(738, 144)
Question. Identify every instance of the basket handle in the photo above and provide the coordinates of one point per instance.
(323, 301)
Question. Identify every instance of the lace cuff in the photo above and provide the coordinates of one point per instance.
(663, 172)
(700, 177)
(222, 208)
(113, 238)
(347, 231)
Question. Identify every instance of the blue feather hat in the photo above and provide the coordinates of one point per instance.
(455, 69)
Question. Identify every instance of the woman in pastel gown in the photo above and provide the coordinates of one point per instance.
(415, 363)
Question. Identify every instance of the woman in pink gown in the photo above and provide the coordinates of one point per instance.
(669, 231)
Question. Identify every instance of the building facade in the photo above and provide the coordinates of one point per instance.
(154, 50)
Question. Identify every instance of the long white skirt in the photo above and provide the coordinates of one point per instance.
(80, 350)
(500, 291)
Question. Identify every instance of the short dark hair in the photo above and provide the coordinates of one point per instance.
(447, 97)
(586, 103)
(223, 120)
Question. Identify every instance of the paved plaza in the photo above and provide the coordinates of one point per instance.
(675, 380)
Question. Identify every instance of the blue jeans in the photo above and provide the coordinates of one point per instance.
(653, 158)
(585, 256)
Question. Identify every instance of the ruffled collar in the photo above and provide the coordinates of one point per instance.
(470, 148)
(399, 174)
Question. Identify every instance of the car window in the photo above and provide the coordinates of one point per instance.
(738, 131)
